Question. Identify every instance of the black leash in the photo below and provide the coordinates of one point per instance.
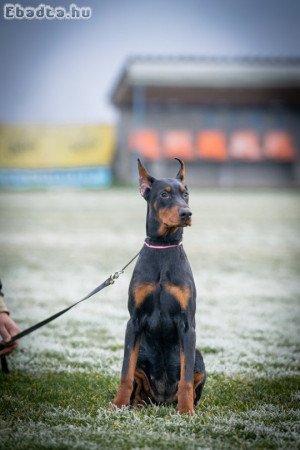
(110, 280)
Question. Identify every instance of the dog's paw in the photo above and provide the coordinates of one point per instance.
(185, 409)
(120, 401)
(185, 399)
(123, 395)
(116, 407)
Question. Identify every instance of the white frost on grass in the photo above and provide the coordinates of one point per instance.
(243, 247)
(68, 427)
(68, 413)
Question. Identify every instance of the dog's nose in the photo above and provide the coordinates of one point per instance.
(185, 213)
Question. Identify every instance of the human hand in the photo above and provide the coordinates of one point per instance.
(8, 329)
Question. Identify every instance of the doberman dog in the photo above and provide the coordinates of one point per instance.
(161, 363)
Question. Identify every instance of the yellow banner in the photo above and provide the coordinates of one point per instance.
(37, 146)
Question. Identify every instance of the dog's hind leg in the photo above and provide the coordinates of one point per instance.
(199, 376)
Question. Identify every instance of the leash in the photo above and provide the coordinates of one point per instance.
(109, 281)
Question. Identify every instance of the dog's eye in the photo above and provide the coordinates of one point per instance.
(164, 194)
(185, 195)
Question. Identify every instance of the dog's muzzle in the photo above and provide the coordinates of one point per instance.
(185, 216)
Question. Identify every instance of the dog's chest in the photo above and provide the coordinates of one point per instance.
(161, 288)
(159, 315)
(160, 306)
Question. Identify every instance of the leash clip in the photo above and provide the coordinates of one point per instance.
(115, 276)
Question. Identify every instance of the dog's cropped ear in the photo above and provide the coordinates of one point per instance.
(181, 174)
(145, 180)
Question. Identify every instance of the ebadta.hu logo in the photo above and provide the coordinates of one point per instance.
(16, 11)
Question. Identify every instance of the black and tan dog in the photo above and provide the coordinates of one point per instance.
(161, 364)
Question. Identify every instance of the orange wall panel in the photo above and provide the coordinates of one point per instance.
(144, 142)
(244, 145)
(279, 145)
(178, 143)
(211, 144)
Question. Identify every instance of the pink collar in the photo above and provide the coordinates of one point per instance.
(162, 247)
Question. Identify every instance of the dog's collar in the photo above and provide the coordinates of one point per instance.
(162, 247)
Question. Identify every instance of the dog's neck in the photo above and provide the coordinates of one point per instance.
(158, 235)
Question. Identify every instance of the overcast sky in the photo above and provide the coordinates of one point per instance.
(63, 71)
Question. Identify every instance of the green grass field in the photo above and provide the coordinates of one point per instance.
(244, 250)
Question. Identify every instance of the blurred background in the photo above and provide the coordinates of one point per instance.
(216, 83)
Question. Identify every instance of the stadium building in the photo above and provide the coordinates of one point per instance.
(235, 122)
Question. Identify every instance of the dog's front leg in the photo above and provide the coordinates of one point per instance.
(187, 361)
(131, 351)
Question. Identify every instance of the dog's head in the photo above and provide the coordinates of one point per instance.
(168, 199)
